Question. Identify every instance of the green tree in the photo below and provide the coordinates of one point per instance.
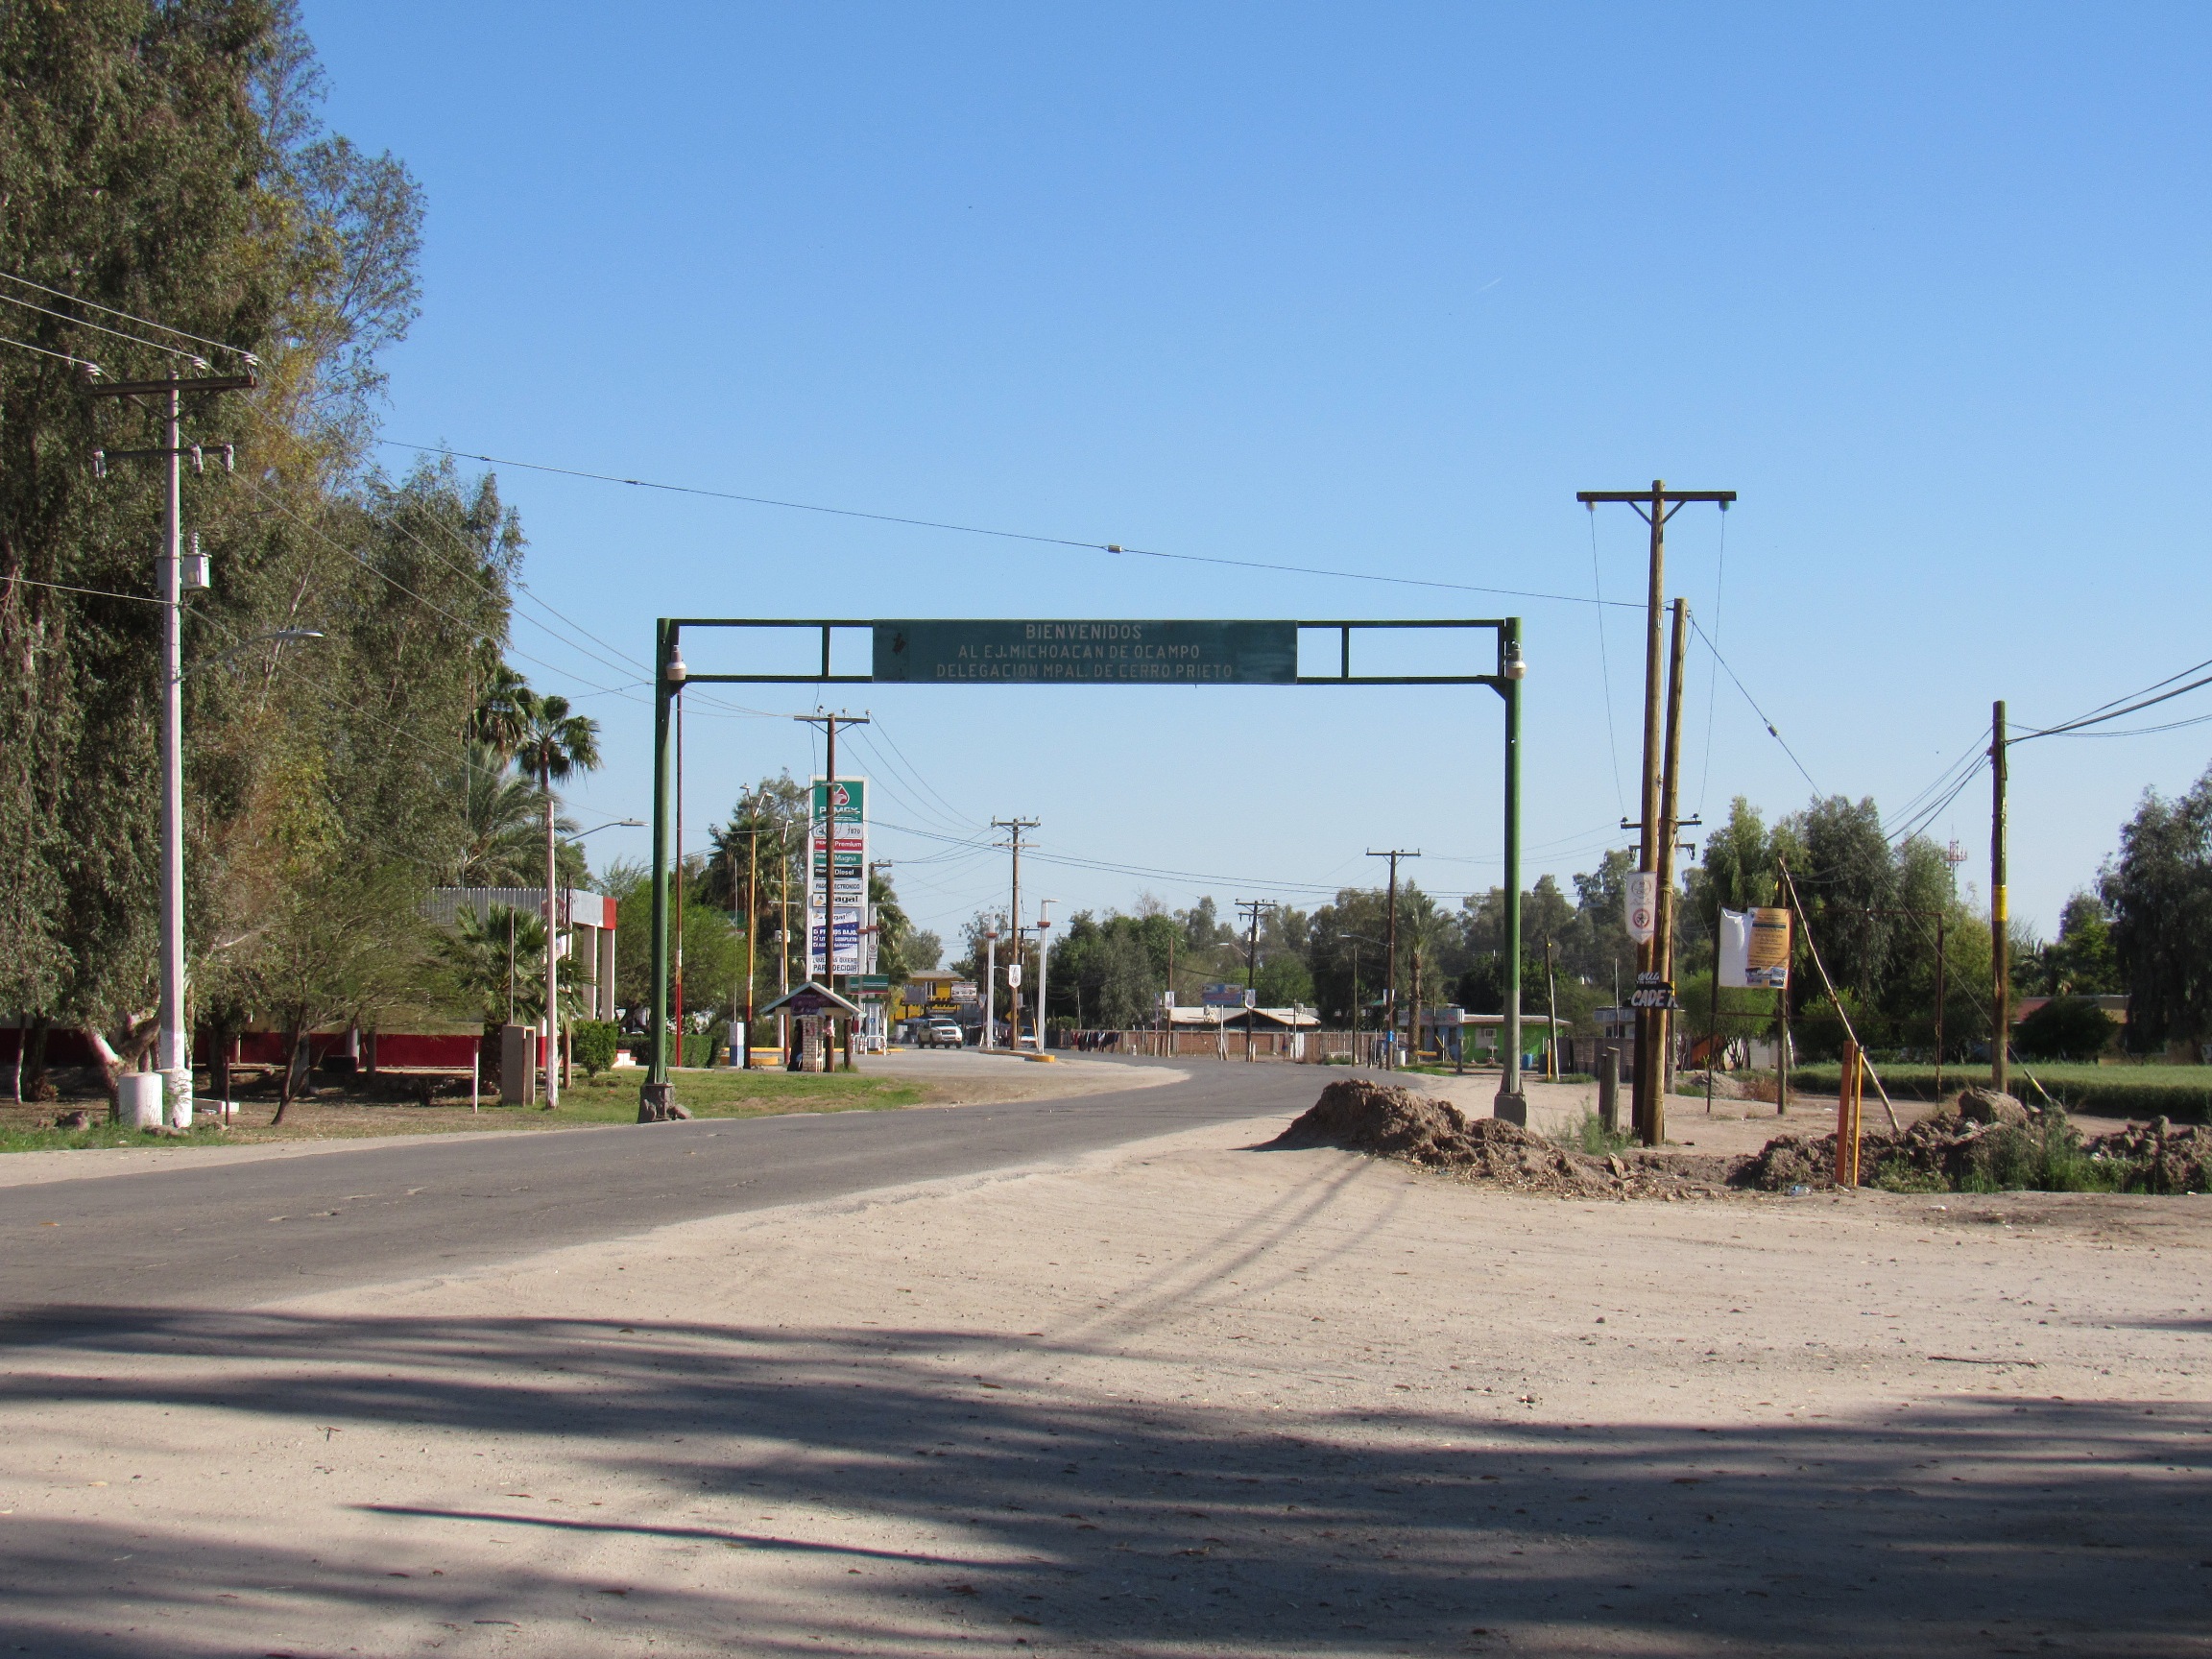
(347, 947)
(167, 161)
(2066, 1028)
(2159, 889)
(503, 813)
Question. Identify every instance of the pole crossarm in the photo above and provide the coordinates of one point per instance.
(151, 388)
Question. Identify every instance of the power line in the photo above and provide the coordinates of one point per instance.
(1000, 535)
(467, 628)
(958, 815)
(96, 593)
(59, 356)
(1605, 668)
(2097, 719)
(1771, 731)
(2140, 731)
(192, 357)
(1713, 686)
(142, 321)
(516, 584)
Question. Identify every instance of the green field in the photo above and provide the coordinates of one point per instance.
(2183, 1092)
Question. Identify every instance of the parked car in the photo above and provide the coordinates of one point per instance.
(941, 1034)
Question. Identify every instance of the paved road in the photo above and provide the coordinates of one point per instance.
(83, 1251)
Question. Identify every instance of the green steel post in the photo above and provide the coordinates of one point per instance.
(664, 762)
(1511, 1105)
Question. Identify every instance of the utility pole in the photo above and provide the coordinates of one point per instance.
(829, 724)
(2001, 967)
(1015, 827)
(1551, 1012)
(1252, 908)
(1391, 954)
(173, 1046)
(1654, 507)
(1669, 794)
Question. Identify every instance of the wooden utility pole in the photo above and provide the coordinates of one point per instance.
(1390, 953)
(1654, 507)
(1013, 827)
(1551, 1013)
(2001, 967)
(1252, 908)
(1670, 796)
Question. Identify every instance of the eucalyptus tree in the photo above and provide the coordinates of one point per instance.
(166, 162)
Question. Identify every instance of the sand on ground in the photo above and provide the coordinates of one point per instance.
(1181, 1397)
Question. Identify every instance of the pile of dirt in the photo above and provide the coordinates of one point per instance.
(2173, 1159)
(1385, 1121)
(1982, 1137)
(1724, 1085)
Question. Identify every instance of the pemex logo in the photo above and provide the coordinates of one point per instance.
(840, 796)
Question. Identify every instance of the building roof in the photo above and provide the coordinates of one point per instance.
(813, 998)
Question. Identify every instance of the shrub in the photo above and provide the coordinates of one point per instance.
(2043, 1155)
(1587, 1134)
(1899, 1175)
(593, 1044)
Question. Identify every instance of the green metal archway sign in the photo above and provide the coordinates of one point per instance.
(999, 651)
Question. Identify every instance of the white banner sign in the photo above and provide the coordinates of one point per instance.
(1643, 905)
(1755, 950)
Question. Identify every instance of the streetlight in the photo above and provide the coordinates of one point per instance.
(990, 984)
(275, 637)
(616, 824)
(1044, 959)
(1357, 940)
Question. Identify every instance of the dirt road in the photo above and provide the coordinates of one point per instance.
(1181, 1397)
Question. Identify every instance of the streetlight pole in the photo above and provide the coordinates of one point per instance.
(1356, 939)
(1044, 959)
(990, 986)
(1511, 1103)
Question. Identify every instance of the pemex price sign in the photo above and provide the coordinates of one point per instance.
(836, 875)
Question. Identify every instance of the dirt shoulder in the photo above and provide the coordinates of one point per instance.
(1184, 1398)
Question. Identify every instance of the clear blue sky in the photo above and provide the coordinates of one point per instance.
(1370, 288)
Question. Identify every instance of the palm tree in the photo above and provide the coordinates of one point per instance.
(553, 743)
(502, 713)
(503, 812)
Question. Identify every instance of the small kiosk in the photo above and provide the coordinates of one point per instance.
(816, 1010)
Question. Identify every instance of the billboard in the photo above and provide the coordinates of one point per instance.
(1222, 997)
(837, 876)
(1755, 950)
